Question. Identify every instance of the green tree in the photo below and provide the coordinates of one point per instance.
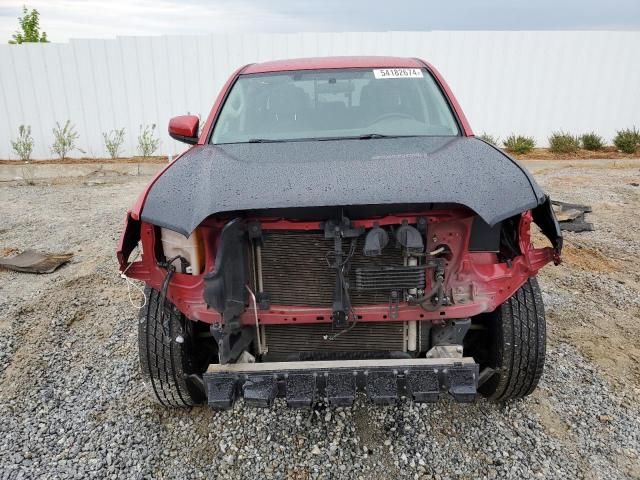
(29, 31)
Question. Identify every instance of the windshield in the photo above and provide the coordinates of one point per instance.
(334, 104)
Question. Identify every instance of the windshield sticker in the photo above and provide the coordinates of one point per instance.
(397, 73)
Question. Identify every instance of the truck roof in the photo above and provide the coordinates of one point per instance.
(320, 63)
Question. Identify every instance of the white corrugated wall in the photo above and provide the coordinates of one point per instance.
(529, 83)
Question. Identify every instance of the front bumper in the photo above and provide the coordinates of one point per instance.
(336, 382)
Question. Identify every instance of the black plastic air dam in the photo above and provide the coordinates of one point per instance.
(211, 179)
(335, 382)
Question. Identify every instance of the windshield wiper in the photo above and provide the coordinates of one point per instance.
(368, 136)
(265, 140)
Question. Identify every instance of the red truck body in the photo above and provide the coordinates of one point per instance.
(268, 262)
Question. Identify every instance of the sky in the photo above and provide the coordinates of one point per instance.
(65, 19)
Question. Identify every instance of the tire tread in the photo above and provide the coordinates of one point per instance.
(162, 361)
(520, 343)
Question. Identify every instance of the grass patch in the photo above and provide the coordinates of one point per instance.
(519, 144)
(627, 140)
(562, 142)
(592, 141)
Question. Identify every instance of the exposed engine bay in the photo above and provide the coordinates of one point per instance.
(396, 285)
(390, 287)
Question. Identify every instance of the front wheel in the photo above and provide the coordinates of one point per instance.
(515, 345)
(168, 353)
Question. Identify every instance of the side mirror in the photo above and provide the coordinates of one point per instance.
(184, 128)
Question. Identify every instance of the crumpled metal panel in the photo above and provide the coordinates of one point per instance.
(211, 179)
(31, 261)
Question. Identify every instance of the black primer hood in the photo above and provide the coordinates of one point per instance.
(211, 179)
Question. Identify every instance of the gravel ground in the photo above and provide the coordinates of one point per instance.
(72, 404)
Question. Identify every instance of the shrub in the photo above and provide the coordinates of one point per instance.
(519, 143)
(113, 141)
(64, 140)
(147, 142)
(592, 141)
(627, 140)
(489, 139)
(23, 145)
(562, 142)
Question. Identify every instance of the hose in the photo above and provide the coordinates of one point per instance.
(440, 300)
(438, 289)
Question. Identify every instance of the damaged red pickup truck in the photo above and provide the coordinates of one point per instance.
(337, 228)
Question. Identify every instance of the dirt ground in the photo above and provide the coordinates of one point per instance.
(70, 387)
(596, 291)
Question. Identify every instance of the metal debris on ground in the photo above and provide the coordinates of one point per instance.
(31, 261)
(571, 216)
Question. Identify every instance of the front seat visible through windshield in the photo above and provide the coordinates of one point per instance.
(332, 104)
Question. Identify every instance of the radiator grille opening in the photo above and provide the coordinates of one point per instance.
(295, 269)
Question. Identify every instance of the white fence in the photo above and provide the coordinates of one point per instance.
(524, 82)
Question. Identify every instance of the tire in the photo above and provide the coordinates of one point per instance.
(516, 345)
(165, 363)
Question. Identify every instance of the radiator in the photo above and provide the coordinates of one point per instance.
(295, 270)
(363, 337)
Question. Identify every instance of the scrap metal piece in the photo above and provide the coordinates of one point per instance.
(571, 216)
(31, 261)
